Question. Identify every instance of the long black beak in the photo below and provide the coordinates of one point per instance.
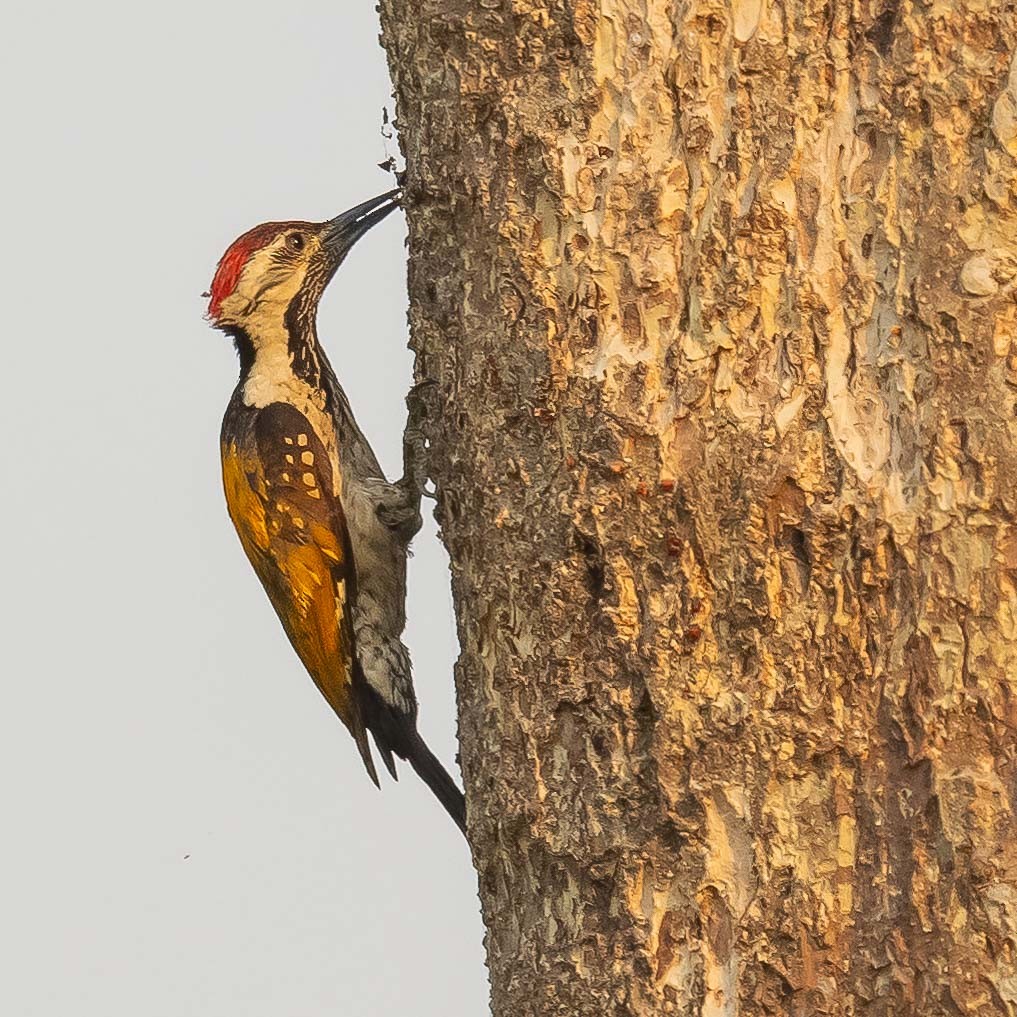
(342, 232)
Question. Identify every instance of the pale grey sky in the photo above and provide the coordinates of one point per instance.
(152, 707)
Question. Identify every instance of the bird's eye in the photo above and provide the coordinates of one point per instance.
(295, 242)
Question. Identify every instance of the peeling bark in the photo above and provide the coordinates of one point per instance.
(718, 301)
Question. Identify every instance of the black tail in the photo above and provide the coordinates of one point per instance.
(437, 778)
(397, 733)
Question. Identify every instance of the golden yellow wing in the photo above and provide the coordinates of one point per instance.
(278, 482)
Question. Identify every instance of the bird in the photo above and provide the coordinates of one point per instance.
(326, 533)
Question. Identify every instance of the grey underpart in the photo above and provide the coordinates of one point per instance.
(384, 659)
(382, 518)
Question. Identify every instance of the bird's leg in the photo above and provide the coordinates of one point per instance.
(399, 507)
(415, 452)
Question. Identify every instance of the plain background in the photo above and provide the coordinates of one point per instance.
(187, 829)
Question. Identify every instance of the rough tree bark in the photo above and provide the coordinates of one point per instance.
(718, 301)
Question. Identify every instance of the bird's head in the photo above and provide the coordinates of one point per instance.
(282, 268)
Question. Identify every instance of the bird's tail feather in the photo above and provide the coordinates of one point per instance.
(397, 733)
(437, 778)
(360, 734)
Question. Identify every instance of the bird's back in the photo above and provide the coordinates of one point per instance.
(280, 491)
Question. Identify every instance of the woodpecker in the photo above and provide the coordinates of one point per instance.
(326, 533)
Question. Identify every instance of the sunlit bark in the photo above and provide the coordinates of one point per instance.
(718, 301)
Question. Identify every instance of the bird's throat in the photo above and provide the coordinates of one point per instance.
(283, 363)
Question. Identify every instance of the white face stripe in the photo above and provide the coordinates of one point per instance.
(264, 290)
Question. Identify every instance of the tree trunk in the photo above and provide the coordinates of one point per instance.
(718, 301)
